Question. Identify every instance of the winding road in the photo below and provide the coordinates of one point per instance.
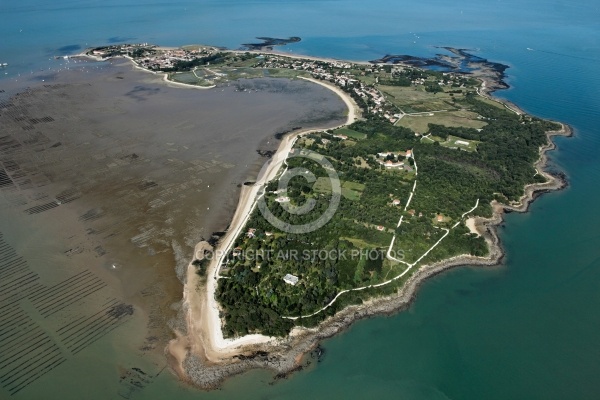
(410, 266)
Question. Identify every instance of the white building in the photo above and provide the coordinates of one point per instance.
(291, 279)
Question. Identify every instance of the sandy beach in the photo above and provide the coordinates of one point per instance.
(470, 222)
(205, 335)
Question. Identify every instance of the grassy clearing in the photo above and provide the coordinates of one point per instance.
(350, 133)
(350, 194)
(491, 102)
(322, 185)
(362, 163)
(350, 190)
(360, 243)
(454, 142)
(461, 118)
(359, 187)
(415, 99)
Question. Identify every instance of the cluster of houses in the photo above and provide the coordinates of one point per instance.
(119, 49)
(306, 65)
(168, 58)
(438, 217)
(395, 160)
(251, 233)
(337, 72)
(150, 56)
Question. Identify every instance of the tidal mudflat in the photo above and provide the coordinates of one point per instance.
(108, 178)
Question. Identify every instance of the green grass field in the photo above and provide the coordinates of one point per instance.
(360, 243)
(415, 99)
(350, 133)
(452, 142)
(350, 194)
(322, 185)
(359, 187)
(461, 118)
(459, 143)
(350, 190)
(492, 102)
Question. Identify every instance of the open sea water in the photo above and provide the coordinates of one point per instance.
(528, 329)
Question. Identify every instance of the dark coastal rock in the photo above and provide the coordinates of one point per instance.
(215, 237)
(462, 62)
(266, 153)
(280, 135)
(269, 42)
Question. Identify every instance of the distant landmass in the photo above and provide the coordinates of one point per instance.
(268, 43)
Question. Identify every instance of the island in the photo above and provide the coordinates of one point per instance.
(345, 223)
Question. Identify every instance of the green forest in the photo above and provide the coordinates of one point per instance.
(253, 293)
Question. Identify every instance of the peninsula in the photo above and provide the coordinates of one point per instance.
(417, 178)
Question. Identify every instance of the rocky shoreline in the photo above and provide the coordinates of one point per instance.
(285, 356)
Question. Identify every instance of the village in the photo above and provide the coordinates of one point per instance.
(360, 80)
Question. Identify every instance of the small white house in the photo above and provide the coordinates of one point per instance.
(291, 279)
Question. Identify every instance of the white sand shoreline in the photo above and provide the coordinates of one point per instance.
(471, 224)
(205, 335)
(212, 331)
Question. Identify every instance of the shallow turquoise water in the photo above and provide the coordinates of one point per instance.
(526, 329)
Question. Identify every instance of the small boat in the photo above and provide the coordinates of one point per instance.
(4, 64)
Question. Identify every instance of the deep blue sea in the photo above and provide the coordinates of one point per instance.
(528, 329)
